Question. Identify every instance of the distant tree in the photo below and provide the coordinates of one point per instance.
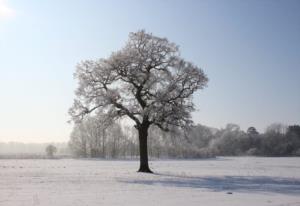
(146, 81)
(294, 129)
(78, 141)
(274, 141)
(293, 139)
(229, 141)
(276, 128)
(200, 135)
(252, 131)
(89, 137)
(50, 151)
(253, 141)
(273, 144)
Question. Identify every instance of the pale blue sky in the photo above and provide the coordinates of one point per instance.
(250, 51)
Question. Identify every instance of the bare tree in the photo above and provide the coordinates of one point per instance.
(78, 141)
(146, 81)
(252, 131)
(88, 137)
(50, 151)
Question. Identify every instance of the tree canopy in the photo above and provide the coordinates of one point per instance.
(146, 81)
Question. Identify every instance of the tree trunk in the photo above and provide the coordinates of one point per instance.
(143, 135)
(103, 143)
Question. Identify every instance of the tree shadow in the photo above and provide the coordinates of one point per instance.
(225, 183)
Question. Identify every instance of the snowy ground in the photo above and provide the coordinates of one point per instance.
(252, 181)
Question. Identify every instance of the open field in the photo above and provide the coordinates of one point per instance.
(68, 182)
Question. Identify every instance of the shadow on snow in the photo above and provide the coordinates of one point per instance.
(226, 183)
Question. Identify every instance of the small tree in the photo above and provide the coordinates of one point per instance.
(50, 151)
(146, 81)
(252, 131)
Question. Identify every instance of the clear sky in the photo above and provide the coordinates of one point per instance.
(250, 51)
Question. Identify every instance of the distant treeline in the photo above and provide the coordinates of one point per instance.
(16, 150)
(93, 138)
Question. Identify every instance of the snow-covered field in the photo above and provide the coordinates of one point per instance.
(252, 181)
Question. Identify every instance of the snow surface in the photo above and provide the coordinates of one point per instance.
(67, 182)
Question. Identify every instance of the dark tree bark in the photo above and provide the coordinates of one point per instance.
(103, 143)
(143, 136)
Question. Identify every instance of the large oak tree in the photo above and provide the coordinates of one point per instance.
(146, 81)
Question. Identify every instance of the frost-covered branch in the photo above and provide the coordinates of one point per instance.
(147, 81)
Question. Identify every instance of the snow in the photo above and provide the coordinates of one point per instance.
(70, 182)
